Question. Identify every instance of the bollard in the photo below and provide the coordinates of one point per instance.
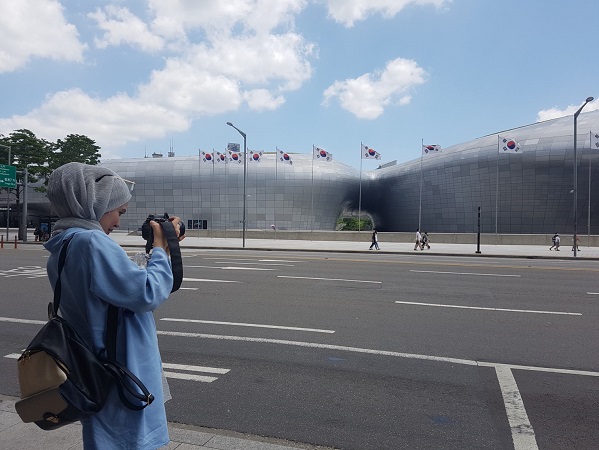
(15, 242)
(2, 241)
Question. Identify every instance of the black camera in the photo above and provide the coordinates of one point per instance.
(148, 234)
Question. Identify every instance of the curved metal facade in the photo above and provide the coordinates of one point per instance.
(527, 192)
(305, 195)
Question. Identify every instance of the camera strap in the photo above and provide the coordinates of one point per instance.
(173, 246)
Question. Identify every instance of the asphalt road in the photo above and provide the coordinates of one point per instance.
(368, 351)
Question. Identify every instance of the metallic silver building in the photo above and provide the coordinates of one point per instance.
(525, 192)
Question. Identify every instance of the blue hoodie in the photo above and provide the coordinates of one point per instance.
(98, 271)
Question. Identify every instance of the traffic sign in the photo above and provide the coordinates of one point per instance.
(8, 176)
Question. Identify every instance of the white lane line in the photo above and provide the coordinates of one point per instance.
(278, 327)
(465, 273)
(12, 319)
(585, 373)
(491, 309)
(330, 279)
(195, 368)
(593, 293)
(319, 346)
(466, 362)
(279, 260)
(190, 377)
(209, 281)
(259, 263)
(188, 289)
(523, 434)
(253, 259)
(13, 356)
(229, 268)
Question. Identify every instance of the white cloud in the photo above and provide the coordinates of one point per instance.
(554, 113)
(120, 26)
(114, 121)
(349, 11)
(244, 62)
(191, 90)
(261, 100)
(367, 96)
(36, 28)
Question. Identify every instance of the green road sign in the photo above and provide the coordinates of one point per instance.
(8, 176)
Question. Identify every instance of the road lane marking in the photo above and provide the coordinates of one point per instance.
(255, 262)
(466, 273)
(25, 271)
(593, 293)
(195, 368)
(229, 268)
(33, 322)
(523, 434)
(318, 345)
(278, 327)
(467, 362)
(190, 377)
(584, 373)
(491, 309)
(209, 281)
(188, 289)
(13, 355)
(330, 279)
(259, 260)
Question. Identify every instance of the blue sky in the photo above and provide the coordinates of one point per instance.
(137, 75)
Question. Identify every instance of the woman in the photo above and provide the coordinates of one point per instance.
(89, 201)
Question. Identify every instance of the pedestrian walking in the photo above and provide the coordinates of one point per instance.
(37, 232)
(374, 240)
(577, 241)
(425, 241)
(555, 240)
(89, 201)
(418, 244)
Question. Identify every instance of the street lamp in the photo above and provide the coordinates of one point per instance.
(574, 244)
(244, 178)
(7, 195)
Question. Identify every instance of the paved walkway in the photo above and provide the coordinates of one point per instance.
(504, 251)
(15, 435)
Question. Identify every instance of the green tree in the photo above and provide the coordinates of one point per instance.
(74, 148)
(26, 150)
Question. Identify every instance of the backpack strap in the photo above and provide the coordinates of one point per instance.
(54, 305)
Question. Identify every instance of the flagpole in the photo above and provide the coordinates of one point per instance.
(496, 184)
(312, 194)
(360, 196)
(274, 204)
(420, 197)
(199, 186)
(589, 208)
(226, 192)
(213, 184)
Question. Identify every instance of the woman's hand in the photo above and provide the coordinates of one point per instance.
(177, 224)
(160, 238)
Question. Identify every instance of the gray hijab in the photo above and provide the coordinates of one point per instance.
(80, 194)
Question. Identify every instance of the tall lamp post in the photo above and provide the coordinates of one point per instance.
(575, 243)
(7, 195)
(244, 179)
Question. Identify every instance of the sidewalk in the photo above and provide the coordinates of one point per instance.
(498, 251)
(16, 435)
(439, 249)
